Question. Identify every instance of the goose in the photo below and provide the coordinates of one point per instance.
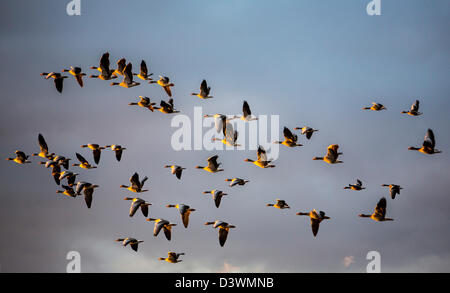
(246, 113)
(58, 79)
(414, 111)
(76, 72)
(220, 120)
(88, 191)
(132, 241)
(316, 218)
(290, 140)
(230, 136)
(67, 191)
(213, 166)
(127, 81)
(56, 169)
(375, 107)
(63, 161)
(262, 161)
(117, 149)
(121, 64)
(172, 257)
(144, 103)
(307, 131)
(224, 227)
(106, 72)
(236, 181)
(71, 177)
(137, 203)
(162, 224)
(379, 213)
(96, 151)
(144, 75)
(184, 210)
(44, 149)
(177, 170)
(357, 186)
(428, 146)
(280, 204)
(165, 83)
(167, 108)
(204, 91)
(136, 185)
(331, 156)
(217, 196)
(21, 158)
(83, 162)
(393, 189)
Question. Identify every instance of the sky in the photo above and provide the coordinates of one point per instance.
(314, 63)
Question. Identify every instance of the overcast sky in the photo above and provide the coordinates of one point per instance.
(313, 63)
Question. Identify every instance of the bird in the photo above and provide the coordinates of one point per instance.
(121, 64)
(88, 191)
(307, 131)
(280, 204)
(21, 158)
(44, 149)
(165, 83)
(172, 257)
(71, 177)
(428, 145)
(144, 75)
(217, 196)
(144, 102)
(132, 241)
(261, 161)
(213, 166)
(177, 170)
(127, 81)
(56, 169)
(68, 190)
(204, 91)
(136, 185)
(236, 181)
(379, 213)
(105, 72)
(357, 186)
(58, 79)
(137, 203)
(375, 107)
(96, 151)
(224, 228)
(290, 140)
(246, 113)
(117, 149)
(220, 121)
(316, 218)
(393, 189)
(166, 107)
(414, 111)
(331, 156)
(63, 161)
(77, 73)
(230, 136)
(162, 224)
(83, 162)
(184, 210)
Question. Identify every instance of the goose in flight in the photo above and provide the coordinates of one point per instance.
(220, 121)
(83, 162)
(68, 190)
(137, 203)
(21, 158)
(96, 151)
(88, 191)
(204, 91)
(393, 189)
(230, 136)
(56, 169)
(165, 83)
(127, 81)
(246, 113)
(162, 224)
(71, 177)
(172, 257)
(144, 75)
(316, 218)
(290, 140)
(167, 108)
(307, 131)
(44, 149)
(77, 73)
(280, 204)
(136, 185)
(213, 166)
(177, 170)
(414, 111)
(217, 196)
(379, 213)
(331, 156)
(357, 186)
(375, 107)
(132, 241)
(428, 146)
(144, 103)
(58, 79)
(63, 161)
(184, 210)
(105, 72)
(224, 228)
(236, 181)
(117, 149)
(121, 64)
(261, 161)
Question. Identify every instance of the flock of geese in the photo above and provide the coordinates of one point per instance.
(74, 188)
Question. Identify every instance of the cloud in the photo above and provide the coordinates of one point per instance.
(227, 268)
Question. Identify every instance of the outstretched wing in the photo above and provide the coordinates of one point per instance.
(223, 234)
(288, 135)
(380, 209)
(144, 70)
(246, 109)
(415, 106)
(42, 143)
(429, 140)
(204, 89)
(212, 162)
(128, 75)
(261, 154)
(81, 159)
